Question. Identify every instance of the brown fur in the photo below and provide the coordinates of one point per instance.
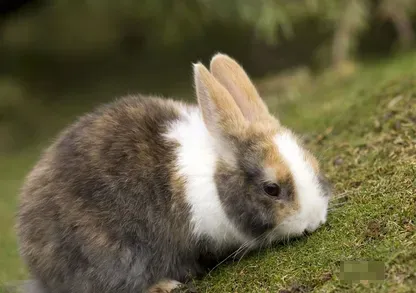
(282, 174)
(232, 76)
(219, 110)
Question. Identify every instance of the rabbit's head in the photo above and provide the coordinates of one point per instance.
(268, 183)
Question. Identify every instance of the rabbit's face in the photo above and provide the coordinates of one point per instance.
(311, 189)
(275, 189)
(269, 185)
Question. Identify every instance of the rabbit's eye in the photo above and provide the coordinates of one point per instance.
(272, 189)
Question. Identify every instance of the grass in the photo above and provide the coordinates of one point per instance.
(363, 129)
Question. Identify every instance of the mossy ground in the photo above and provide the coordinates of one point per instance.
(363, 129)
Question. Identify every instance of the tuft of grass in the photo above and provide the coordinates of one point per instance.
(363, 129)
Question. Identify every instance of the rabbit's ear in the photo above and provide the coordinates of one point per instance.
(219, 110)
(233, 77)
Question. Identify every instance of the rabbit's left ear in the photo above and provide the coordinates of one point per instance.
(233, 77)
(220, 112)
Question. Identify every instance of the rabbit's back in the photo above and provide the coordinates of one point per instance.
(100, 198)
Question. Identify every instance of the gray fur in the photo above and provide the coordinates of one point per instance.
(241, 189)
(102, 211)
(29, 286)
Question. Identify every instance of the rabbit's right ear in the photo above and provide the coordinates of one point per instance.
(220, 112)
(233, 77)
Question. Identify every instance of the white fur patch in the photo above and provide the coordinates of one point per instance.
(197, 157)
(313, 203)
(164, 286)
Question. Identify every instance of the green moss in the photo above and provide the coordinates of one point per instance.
(366, 140)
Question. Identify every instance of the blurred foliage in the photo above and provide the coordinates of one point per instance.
(89, 24)
(18, 115)
(54, 51)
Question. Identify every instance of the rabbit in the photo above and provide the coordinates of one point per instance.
(145, 193)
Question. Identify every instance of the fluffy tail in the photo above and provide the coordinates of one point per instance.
(29, 286)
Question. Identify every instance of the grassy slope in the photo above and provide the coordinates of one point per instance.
(365, 136)
(351, 122)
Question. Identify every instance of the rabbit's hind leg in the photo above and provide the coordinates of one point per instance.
(165, 286)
